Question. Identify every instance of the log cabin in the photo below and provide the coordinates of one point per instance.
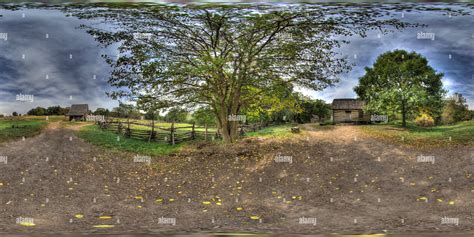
(78, 112)
(349, 111)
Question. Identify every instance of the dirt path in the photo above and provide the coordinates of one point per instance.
(348, 182)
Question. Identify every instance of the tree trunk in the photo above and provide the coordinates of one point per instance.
(228, 129)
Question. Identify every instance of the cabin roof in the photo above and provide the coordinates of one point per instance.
(78, 109)
(347, 104)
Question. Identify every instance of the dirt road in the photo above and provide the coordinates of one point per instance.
(331, 181)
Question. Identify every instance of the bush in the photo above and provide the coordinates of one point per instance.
(424, 120)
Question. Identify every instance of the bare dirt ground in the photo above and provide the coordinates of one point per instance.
(348, 182)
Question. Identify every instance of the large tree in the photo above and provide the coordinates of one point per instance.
(224, 56)
(401, 82)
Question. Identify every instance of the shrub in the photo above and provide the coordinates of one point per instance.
(424, 120)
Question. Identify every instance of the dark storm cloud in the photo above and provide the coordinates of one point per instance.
(48, 56)
(451, 52)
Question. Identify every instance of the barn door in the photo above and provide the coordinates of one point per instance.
(348, 116)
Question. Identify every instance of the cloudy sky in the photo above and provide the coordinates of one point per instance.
(45, 54)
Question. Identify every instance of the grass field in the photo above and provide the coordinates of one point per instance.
(108, 139)
(15, 129)
(278, 131)
(459, 133)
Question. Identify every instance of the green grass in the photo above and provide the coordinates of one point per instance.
(278, 131)
(27, 128)
(108, 139)
(460, 133)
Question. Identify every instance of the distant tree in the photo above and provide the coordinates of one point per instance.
(55, 110)
(204, 115)
(101, 111)
(15, 114)
(455, 109)
(126, 111)
(176, 114)
(267, 106)
(311, 108)
(38, 111)
(402, 82)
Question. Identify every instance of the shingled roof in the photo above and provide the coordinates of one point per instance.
(347, 104)
(78, 109)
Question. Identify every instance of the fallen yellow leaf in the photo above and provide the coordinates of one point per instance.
(103, 226)
(27, 224)
(254, 217)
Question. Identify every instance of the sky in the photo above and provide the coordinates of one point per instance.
(46, 54)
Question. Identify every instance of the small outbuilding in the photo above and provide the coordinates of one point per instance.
(349, 111)
(78, 112)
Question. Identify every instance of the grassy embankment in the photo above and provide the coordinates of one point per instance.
(25, 126)
(455, 134)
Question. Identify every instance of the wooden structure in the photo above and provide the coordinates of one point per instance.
(78, 112)
(349, 111)
(171, 135)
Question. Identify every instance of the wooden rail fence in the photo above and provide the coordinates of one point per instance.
(171, 135)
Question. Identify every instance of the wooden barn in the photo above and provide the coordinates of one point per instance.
(349, 111)
(78, 112)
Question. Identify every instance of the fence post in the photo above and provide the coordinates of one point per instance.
(172, 133)
(205, 133)
(152, 127)
(193, 136)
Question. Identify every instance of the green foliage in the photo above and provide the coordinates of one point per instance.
(311, 108)
(177, 115)
(14, 114)
(455, 109)
(101, 111)
(276, 105)
(204, 115)
(125, 111)
(56, 110)
(52, 110)
(401, 82)
(38, 111)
